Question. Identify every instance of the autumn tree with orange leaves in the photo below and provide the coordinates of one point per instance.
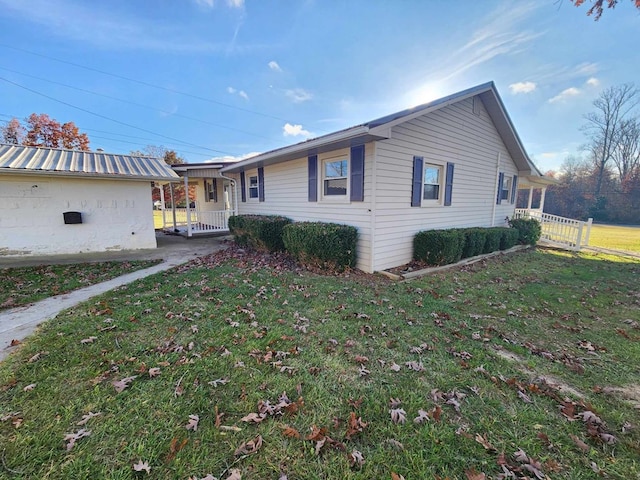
(598, 6)
(43, 131)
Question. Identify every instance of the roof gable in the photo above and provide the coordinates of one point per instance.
(20, 159)
(380, 129)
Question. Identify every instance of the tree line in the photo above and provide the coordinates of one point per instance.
(603, 183)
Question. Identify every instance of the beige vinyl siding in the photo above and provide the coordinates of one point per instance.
(451, 134)
(285, 193)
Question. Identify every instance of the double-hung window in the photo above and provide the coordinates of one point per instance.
(506, 188)
(432, 183)
(253, 186)
(335, 176)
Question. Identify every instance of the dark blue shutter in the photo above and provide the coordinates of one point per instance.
(261, 184)
(416, 190)
(448, 187)
(357, 173)
(215, 189)
(313, 178)
(243, 183)
(500, 182)
(514, 189)
(206, 191)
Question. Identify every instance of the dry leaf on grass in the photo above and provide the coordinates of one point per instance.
(154, 372)
(120, 385)
(482, 440)
(253, 418)
(356, 459)
(581, 445)
(234, 474)
(192, 424)
(29, 387)
(422, 417)
(291, 432)
(355, 426)
(395, 476)
(88, 340)
(72, 438)
(140, 466)
(398, 415)
(473, 474)
(249, 447)
(87, 417)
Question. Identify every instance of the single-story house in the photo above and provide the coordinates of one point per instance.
(55, 201)
(452, 162)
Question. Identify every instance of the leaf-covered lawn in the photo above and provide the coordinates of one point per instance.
(239, 366)
(21, 286)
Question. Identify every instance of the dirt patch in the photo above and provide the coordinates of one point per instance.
(554, 382)
(629, 392)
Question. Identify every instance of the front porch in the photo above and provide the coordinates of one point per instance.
(209, 199)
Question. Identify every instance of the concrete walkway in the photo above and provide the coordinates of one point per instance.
(19, 322)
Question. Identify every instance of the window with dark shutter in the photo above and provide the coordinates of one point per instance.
(416, 189)
(500, 183)
(514, 189)
(243, 187)
(448, 186)
(357, 173)
(313, 177)
(261, 184)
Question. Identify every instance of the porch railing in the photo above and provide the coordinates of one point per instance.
(199, 221)
(559, 231)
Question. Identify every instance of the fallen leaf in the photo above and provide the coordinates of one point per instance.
(234, 474)
(192, 424)
(253, 418)
(291, 432)
(422, 417)
(140, 466)
(72, 438)
(15, 342)
(87, 417)
(154, 372)
(120, 385)
(398, 415)
(355, 426)
(583, 446)
(29, 387)
(474, 475)
(88, 340)
(249, 447)
(394, 402)
(482, 440)
(395, 367)
(395, 476)
(356, 459)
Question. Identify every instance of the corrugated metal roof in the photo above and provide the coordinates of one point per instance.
(41, 160)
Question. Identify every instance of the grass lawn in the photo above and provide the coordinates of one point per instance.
(615, 237)
(21, 286)
(241, 366)
(157, 219)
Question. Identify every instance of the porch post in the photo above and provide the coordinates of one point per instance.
(530, 197)
(186, 197)
(162, 205)
(544, 190)
(173, 207)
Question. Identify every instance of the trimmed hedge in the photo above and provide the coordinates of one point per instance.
(494, 236)
(509, 237)
(263, 232)
(529, 230)
(326, 245)
(475, 240)
(439, 247)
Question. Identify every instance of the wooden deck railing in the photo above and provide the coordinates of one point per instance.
(198, 221)
(559, 231)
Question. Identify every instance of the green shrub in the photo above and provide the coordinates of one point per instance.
(326, 245)
(494, 236)
(509, 237)
(438, 247)
(474, 241)
(529, 230)
(263, 232)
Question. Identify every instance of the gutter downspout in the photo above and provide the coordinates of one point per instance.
(495, 192)
(234, 210)
(373, 210)
(173, 207)
(186, 198)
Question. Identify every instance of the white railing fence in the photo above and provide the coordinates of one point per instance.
(199, 221)
(560, 231)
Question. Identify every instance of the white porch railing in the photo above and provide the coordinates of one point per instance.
(559, 231)
(199, 221)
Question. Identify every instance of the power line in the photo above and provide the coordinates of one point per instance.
(135, 103)
(111, 119)
(146, 84)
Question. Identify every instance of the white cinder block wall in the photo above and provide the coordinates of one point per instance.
(116, 215)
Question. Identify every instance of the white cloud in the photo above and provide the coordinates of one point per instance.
(295, 131)
(298, 95)
(593, 82)
(522, 87)
(565, 94)
(240, 93)
(273, 65)
(232, 158)
(212, 3)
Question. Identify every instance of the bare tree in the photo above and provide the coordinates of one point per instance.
(613, 107)
(626, 154)
(13, 132)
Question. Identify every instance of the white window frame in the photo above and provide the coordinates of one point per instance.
(341, 156)
(442, 172)
(507, 183)
(256, 187)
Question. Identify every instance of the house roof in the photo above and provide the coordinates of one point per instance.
(20, 159)
(380, 129)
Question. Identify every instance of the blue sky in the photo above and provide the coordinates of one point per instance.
(216, 78)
